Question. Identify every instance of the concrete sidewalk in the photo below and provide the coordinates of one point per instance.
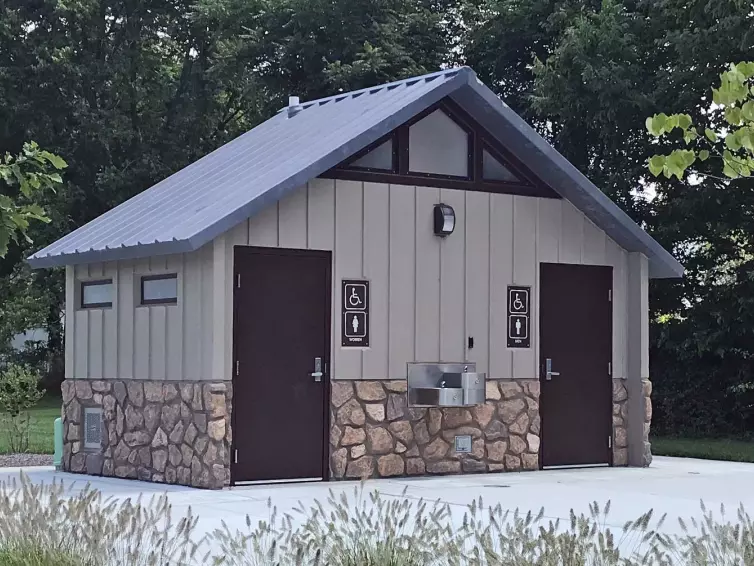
(672, 485)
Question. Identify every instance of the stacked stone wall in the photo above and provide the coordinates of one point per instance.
(374, 433)
(168, 432)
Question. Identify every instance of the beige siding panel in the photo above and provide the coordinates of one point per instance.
(96, 343)
(618, 258)
(549, 227)
(321, 214)
(81, 323)
(238, 236)
(452, 282)
(70, 320)
(427, 276)
(263, 227)
(126, 316)
(222, 286)
(477, 255)
(158, 343)
(110, 325)
(595, 241)
(175, 327)
(376, 269)
(572, 234)
(142, 341)
(501, 275)
(402, 279)
(193, 317)
(207, 289)
(525, 270)
(349, 222)
(292, 216)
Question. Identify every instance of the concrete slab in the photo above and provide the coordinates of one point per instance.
(672, 486)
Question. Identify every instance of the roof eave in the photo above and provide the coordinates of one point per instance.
(39, 261)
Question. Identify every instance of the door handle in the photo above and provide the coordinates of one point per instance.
(548, 370)
(317, 373)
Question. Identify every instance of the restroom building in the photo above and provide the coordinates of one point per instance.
(400, 280)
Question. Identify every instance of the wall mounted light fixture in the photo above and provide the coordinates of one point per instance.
(445, 219)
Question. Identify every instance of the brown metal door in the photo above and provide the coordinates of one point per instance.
(576, 336)
(281, 325)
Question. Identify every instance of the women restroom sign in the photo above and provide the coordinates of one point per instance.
(355, 327)
(518, 317)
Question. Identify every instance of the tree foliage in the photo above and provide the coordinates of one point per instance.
(728, 137)
(30, 173)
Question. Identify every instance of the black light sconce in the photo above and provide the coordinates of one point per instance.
(445, 220)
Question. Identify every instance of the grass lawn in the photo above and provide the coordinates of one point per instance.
(705, 448)
(40, 433)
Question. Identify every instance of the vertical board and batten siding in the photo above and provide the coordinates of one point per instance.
(131, 341)
(429, 294)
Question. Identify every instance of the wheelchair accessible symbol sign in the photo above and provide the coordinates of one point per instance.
(355, 327)
(518, 317)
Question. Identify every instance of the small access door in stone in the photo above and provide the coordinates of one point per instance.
(575, 364)
(281, 347)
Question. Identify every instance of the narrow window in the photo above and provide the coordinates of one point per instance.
(92, 427)
(97, 294)
(159, 289)
(493, 170)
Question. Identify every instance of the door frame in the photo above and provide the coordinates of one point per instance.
(541, 369)
(290, 252)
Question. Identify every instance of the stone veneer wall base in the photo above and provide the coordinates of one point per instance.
(620, 422)
(374, 433)
(168, 432)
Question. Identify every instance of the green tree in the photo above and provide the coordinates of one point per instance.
(25, 177)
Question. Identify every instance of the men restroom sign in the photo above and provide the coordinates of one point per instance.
(519, 317)
(355, 327)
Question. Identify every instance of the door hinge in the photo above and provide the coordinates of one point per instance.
(235, 456)
(610, 295)
(238, 281)
(238, 368)
(609, 441)
(609, 368)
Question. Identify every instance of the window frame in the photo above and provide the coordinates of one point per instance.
(93, 283)
(160, 277)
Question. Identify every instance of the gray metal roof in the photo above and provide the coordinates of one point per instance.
(225, 187)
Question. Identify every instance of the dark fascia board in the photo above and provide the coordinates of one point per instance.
(555, 170)
(270, 196)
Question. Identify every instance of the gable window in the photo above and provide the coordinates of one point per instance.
(159, 289)
(437, 145)
(96, 294)
(493, 170)
(379, 158)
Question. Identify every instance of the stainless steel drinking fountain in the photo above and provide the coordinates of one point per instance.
(445, 384)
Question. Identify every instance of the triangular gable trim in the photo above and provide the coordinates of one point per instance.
(523, 181)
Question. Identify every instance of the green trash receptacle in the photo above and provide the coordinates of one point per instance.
(57, 458)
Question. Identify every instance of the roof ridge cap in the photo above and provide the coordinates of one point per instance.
(351, 94)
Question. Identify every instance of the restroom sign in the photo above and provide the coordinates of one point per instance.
(355, 307)
(519, 317)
